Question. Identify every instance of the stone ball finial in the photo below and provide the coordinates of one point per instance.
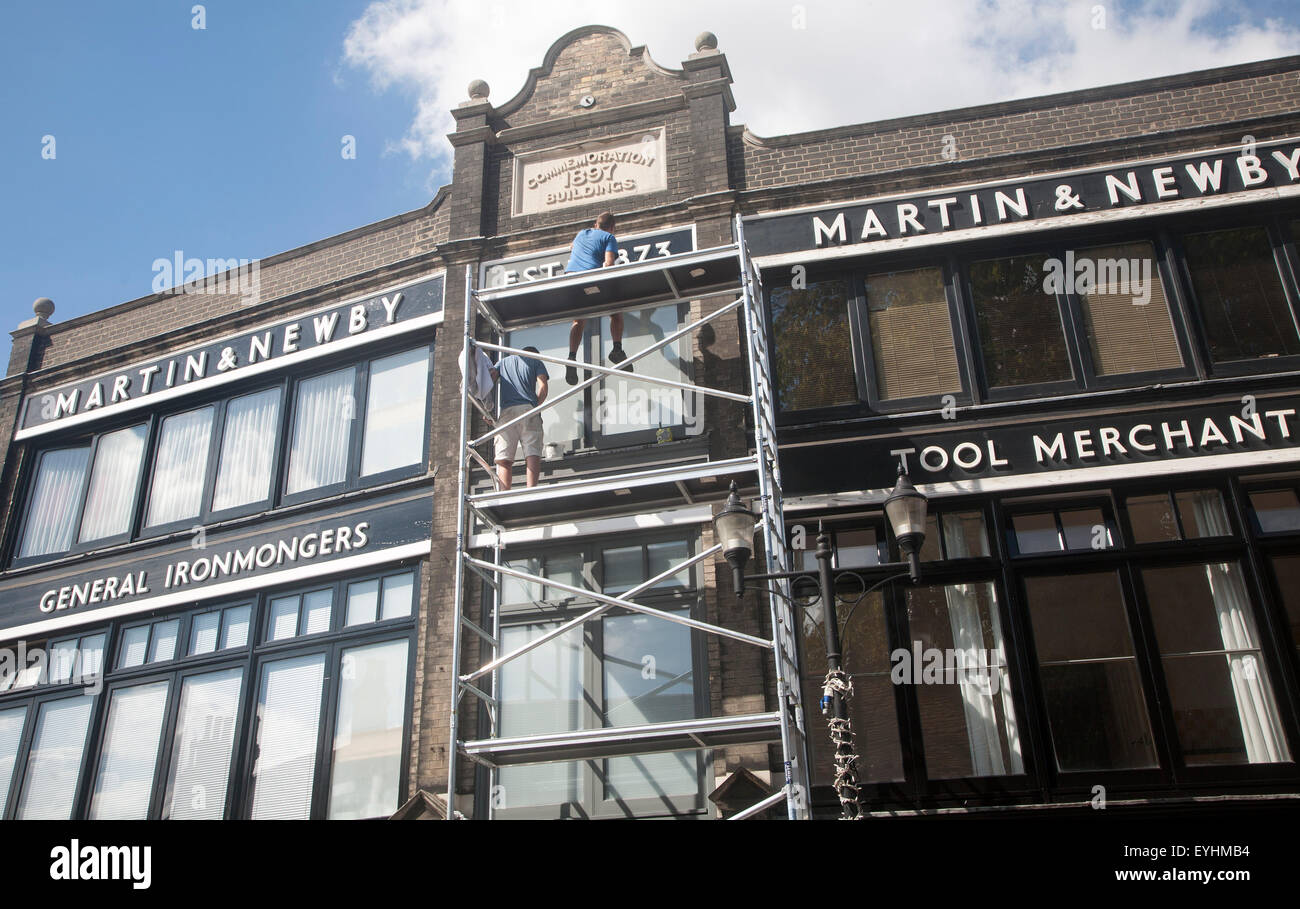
(706, 41)
(44, 308)
(478, 90)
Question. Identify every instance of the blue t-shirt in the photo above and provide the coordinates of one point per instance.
(589, 248)
(519, 380)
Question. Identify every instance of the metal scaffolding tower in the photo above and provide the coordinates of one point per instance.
(485, 515)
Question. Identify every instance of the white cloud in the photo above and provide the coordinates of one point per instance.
(854, 62)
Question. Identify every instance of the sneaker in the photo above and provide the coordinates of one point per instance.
(617, 356)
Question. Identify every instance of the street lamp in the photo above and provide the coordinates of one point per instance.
(905, 507)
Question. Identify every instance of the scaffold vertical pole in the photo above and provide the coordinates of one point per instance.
(788, 688)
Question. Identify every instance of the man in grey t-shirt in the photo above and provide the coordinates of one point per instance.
(523, 387)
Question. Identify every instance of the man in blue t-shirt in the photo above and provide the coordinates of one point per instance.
(594, 247)
(523, 387)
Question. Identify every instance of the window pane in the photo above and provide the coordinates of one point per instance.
(399, 592)
(131, 738)
(968, 722)
(179, 467)
(11, 733)
(931, 547)
(395, 407)
(872, 709)
(1085, 528)
(113, 479)
(541, 691)
(664, 556)
(53, 507)
(911, 334)
(284, 618)
(92, 654)
(622, 568)
(1095, 707)
(627, 404)
(204, 745)
(853, 549)
(1127, 315)
(813, 347)
(135, 642)
(1276, 510)
(63, 660)
(1152, 518)
(1036, 532)
(163, 646)
(964, 535)
(515, 590)
(363, 602)
(289, 708)
(648, 679)
(322, 428)
(368, 735)
(316, 611)
(1219, 690)
(1203, 514)
(1287, 570)
(1019, 323)
(203, 632)
(55, 759)
(247, 450)
(235, 626)
(1239, 293)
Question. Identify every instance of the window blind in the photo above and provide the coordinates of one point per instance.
(395, 404)
(911, 334)
(131, 738)
(322, 425)
(247, 450)
(179, 467)
(112, 484)
(53, 507)
(204, 743)
(55, 759)
(1127, 336)
(289, 707)
(368, 733)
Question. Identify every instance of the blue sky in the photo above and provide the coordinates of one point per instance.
(225, 142)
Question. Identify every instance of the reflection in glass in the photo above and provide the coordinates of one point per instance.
(288, 723)
(1095, 706)
(203, 745)
(131, 739)
(812, 346)
(1239, 295)
(368, 731)
(395, 406)
(1019, 323)
(54, 762)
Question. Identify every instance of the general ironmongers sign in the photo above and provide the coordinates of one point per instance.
(399, 309)
(1186, 435)
(187, 569)
(1222, 172)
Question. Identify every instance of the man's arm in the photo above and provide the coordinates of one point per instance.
(609, 258)
(541, 389)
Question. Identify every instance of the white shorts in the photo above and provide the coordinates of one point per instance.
(529, 432)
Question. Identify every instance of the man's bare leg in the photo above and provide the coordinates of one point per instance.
(534, 463)
(575, 341)
(616, 354)
(505, 473)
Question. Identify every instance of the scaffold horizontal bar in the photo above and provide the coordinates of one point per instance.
(618, 741)
(610, 482)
